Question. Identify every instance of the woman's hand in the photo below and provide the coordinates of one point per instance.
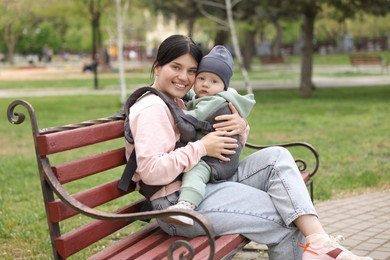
(217, 144)
(233, 124)
(180, 103)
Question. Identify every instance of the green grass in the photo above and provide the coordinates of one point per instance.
(349, 127)
(335, 59)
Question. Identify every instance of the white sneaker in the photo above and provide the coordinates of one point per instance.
(180, 220)
(323, 247)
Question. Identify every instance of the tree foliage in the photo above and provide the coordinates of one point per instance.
(183, 11)
(16, 18)
(43, 35)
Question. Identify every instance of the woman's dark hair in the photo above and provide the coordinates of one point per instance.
(175, 46)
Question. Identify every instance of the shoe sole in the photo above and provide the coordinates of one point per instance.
(178, 221)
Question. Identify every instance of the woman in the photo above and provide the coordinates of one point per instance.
(270, 205)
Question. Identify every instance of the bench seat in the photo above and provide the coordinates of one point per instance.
(358, 60)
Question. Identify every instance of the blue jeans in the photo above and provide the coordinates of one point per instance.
(260, 201)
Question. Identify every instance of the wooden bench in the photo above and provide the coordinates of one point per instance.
(88, 217)
(358, 60)
(272, 60)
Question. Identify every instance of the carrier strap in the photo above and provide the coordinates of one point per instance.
(181, 120)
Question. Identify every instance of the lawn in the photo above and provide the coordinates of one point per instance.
(349, 127)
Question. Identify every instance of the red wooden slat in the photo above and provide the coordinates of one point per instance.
(78, 239)
(140, 248)
(128, 249)
(127, 242)
(198, 243)
(66, 140)
(98, 195)
(223, 246)
(84, 167)
(160, 251)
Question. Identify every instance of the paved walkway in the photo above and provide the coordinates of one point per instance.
(373, 78)
(320, 82)
(363, 220)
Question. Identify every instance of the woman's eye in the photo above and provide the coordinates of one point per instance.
(192, 72)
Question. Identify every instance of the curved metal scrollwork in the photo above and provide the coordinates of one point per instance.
(181, 243)
(302, 165)
(18, 117)
(117, 116)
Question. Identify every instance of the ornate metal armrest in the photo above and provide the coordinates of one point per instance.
(101, 215)
(302, 165)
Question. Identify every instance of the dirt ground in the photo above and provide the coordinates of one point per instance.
(71, 70)
(38, 73)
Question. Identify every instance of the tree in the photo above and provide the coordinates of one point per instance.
(310, 9)
(180, 10)
(93, 11)
(271, 11)
(247, 16)
(120, 14)
(228, 6)
(43, 35)
(15, 18)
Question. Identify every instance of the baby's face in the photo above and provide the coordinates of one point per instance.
(208, 84)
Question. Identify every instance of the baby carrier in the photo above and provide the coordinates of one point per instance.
(188, 127)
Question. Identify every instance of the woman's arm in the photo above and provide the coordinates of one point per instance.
(155, 136)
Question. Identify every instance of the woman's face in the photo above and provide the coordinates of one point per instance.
(177, 77)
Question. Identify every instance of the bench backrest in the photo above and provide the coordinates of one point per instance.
(272, 59)
(92, 177)
(357, 59)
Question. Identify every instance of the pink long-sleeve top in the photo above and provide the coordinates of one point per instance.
(155, 135)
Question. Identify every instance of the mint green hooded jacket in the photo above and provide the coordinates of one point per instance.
(194, 181)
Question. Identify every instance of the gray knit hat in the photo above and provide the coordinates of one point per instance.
(218, 61)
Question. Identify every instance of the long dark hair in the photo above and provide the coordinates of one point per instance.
(175, 46)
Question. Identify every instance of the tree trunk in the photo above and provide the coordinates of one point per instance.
(95, 56)
(190, 26)
(249, 48)
(121, 66)
(10, 52)
(221, 37)
(277, 43)
(10, 38)
(236, 46)
(306, 84)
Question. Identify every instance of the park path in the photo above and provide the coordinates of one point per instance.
(74, 72)
(363, 220)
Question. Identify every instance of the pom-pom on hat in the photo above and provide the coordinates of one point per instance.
(218, 61)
